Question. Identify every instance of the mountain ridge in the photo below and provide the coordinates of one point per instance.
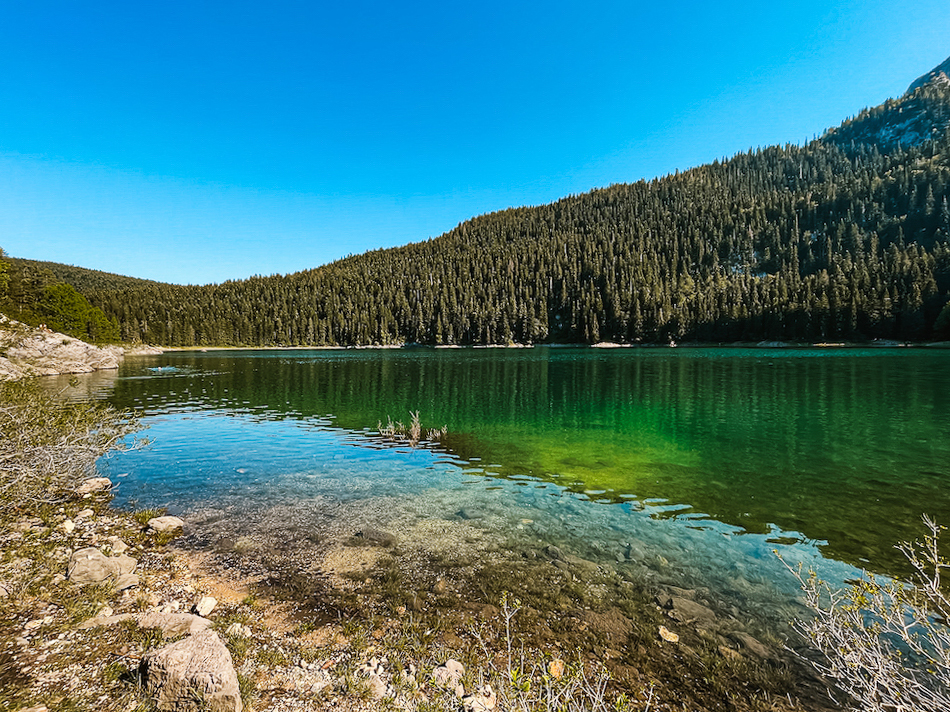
(845, 237)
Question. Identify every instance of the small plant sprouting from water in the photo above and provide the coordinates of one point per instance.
(411, 433)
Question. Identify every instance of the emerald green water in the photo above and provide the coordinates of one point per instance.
(712, 455)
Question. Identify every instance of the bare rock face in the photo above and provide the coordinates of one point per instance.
(92, 566)
(194, 673)
(41, 352)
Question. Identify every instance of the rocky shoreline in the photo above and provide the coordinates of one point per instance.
(109, 610)
(27, 351)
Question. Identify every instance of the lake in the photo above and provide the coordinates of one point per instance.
(682, 466)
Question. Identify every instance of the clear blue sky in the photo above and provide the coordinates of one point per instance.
(196, 142)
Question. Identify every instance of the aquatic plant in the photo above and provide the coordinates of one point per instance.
(411, 433)
(886, 644)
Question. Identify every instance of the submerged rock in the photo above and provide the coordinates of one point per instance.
(376, 537)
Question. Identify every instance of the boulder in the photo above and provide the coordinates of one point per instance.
(92, 566)
(94, 484)
(165, 524)
(174, 624)
(195, 673)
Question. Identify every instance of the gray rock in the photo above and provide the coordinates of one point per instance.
(105, 621)
(552, 552)
(238, 630)
(195, 673)
(165, 524)
(747, 642)
(683, 610)
(449, 674)
(92, 566)
(174, 624)
(126, 581)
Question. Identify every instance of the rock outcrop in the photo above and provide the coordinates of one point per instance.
(26, 351)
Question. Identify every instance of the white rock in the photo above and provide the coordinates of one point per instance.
(205, 605)
(69, 526)
(165, 524)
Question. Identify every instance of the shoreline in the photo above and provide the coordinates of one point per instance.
(603, 345)
(376, 598)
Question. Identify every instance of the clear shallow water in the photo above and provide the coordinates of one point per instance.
(693, 463)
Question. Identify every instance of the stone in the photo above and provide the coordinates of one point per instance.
(683, 610)
(376, 537)
(195, 673)
(440, 587)
(449, 674)
(556, 668)
(105, 621)
(84, 513)
(553, 553)
(27, 524)
(165, 524)
(174, 624)
(94, 484)
(205, 606)
(126, 581)
(482, 700)
(668, 635)
(117, 545)
(90, 565)
(377, 688)
(747, 642)
(69, 526)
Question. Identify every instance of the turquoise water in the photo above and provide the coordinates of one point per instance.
(697, 463)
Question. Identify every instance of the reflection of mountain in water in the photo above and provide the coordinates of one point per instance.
(843, 446)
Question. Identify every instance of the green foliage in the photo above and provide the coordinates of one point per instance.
(942, 325)
(4, 275)
(34, 296)
(846, 238)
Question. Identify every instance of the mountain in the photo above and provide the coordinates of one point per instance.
(847, 237)
(921, 115)
(939, 74)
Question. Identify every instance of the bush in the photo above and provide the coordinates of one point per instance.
(886, 644)
(47, 447)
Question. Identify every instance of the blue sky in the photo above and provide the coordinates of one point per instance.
(195, 142)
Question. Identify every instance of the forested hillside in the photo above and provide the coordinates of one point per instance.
(47, 293)
(845, 238)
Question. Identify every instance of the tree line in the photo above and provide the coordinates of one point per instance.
(845, 238)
